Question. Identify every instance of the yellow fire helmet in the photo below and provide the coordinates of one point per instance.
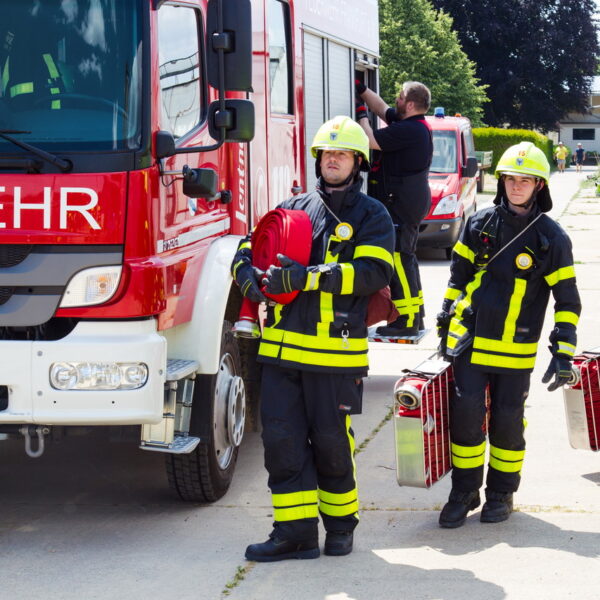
(342, 133)
(524, 159)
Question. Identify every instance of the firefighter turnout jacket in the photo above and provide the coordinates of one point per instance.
(502, 272)
(324, 328)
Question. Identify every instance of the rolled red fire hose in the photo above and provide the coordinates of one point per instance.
(280, 231)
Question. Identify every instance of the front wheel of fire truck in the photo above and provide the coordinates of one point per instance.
(218, 415)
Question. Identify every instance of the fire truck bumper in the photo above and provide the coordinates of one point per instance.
(126, 350)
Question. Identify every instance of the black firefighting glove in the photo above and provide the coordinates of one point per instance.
(248, 277)
(442, 325)
(360, 111)
(561, 369)
(360, 87)
(291, 276)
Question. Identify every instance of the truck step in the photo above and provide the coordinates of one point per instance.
(181, 444)
(178, 368)
(396, 339)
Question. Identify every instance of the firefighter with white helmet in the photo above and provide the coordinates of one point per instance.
(509, 258)
(314, 350)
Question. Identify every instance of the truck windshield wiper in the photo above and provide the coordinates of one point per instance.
(62, 164)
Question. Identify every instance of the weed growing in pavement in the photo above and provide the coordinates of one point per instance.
(375, 431)
(239, 576)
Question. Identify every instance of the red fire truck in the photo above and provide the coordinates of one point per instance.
(139, 139)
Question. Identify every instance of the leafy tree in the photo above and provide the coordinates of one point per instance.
(417, 44)
(536, 57)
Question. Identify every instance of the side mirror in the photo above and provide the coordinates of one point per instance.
(164, 144)
(471, 168)
(199, 183)
(236, 41)
(237, 119)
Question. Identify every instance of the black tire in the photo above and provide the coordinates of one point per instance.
(206, 474)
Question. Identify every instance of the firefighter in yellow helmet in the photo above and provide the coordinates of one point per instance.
(509, 258)
(314, 350)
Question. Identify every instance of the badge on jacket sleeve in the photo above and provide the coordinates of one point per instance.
(344, 231)
(523, 261)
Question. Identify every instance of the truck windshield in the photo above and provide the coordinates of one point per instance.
(70, 73)
(444, 152)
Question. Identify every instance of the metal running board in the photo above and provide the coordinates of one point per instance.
(395, 339)
(178, 368)
(181, 444)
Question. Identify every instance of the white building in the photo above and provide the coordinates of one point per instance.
(583, 128)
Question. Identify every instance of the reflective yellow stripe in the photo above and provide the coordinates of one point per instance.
(560, 275)
(295, 498)
(237, 266)
(312, 281)
(469, 290)
(269, 350)
(452, 293)
(566, 348)
(468, 457)
(566, 316)
(506, 362)
(21, 88)
(314, 342)
(505, 467)
(507, 455)
(323, 359)
(244, 244)
(480, 343)
(336, 510)
(405, 292)
(55, 104)
(514, 309)
(464, 251)
(325, 298)
(365, 251)
(52, 70)
(457, 328)
(5, 76)
(347, 278)
(55, 90)
(333, 498)
(308, 511)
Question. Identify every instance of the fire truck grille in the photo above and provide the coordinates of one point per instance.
(5, 294)
(13, 254)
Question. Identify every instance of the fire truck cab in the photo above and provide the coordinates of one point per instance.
(139, 140)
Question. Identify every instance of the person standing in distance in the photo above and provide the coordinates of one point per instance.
(508, 260)
(314, 350)
(560, 153)
(579, 157)
(400, 181)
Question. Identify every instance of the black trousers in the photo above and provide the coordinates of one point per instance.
(508, 392)
(309, 449)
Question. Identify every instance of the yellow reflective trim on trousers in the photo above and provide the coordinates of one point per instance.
(452, 293)
(347, 278)
(399, 268)
(333, 498)
(21, 88)
(314, 342)
(468, 457)
(505, 467)
(518, 348)
(5, 76)
(365, 251)
(566, 316)
(323, 359)
(334, 510)
(308, 511)
(294, 498)
(506, 362)
(464, 251)
(560, 275)
(514, 309)
(507, 455)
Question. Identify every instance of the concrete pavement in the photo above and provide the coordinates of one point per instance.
(93, 520)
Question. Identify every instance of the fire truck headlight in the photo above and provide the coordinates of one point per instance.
(98, 376)
(92, 286)
(447, 205)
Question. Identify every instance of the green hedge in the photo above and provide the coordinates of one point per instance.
(498, 140)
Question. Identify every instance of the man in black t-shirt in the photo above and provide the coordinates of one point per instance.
(399, 180)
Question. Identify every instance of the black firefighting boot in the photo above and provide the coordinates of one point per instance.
(497, 507)
(277, 548)
(338, 543)
(455, 510)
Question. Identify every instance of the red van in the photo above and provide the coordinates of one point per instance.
(452, 180)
